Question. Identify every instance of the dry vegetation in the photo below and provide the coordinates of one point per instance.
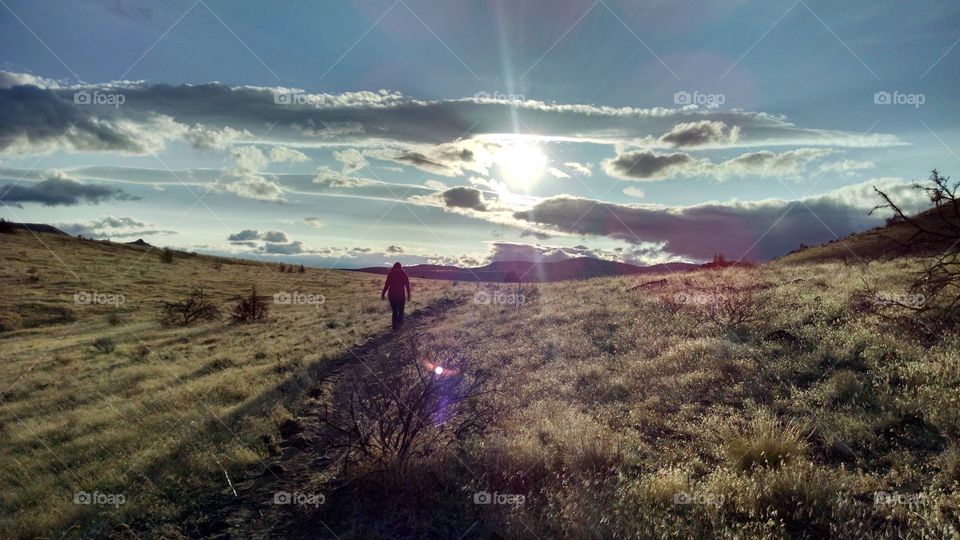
(98, 395)
(782, 401)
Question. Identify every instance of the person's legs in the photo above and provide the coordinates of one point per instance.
(400, 309)
(397, 308)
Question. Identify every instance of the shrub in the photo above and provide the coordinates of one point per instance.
(936, 231)
(115, 318)
(410, 407)
(6, 227)
(104, 345)
(197, 306)
(166, 255)
(250, 308)
(765, 442)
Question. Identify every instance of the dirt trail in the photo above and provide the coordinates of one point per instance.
(253, 513)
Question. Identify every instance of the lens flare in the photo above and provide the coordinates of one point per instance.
(438, 370)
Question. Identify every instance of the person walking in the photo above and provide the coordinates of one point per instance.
(396, 285)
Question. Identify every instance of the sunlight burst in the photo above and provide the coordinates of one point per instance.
(521, 164)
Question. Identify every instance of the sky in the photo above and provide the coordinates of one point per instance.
(350, 134)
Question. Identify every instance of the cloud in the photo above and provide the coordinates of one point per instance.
(248, 235)
(704, 132)
(557, 172)
(351, 159)
(395, 249)
(634, 192)
(203, 137)
(330, 178)
(288, 248)
(35, 115)
(647, 165)
(313, 222)
(112, 227)
(464, 197)
(58, 189)
(244, 235)
(284, 154)
(767, 163)
(756, 230)
(583, 169)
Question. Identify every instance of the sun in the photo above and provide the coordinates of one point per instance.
(521, 164)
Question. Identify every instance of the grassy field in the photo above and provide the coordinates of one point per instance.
(98, 396)
(783, 401)
(775, 402)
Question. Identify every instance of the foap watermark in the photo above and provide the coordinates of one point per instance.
(685, 498)
(83, 97)
(694, 298)
(298, 498)
(498, 96)
(700, 99)
(898, 98)
(915, 301)
(87, 298)
(499, 298)
(100, 499)
(508, 499)
(298, 298)
(886, 498)
(298, 98)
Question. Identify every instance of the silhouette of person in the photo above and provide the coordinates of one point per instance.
(396, 285)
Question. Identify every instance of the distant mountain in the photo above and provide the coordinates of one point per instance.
(577, 268)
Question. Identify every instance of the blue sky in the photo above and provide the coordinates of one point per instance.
(464, 132)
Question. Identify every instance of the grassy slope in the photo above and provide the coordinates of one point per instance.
(616, 400)
(161, 417)
(613, 400)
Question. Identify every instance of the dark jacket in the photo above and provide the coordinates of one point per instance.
(397, 283)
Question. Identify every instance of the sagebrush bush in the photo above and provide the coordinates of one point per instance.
(764, 442)
(196, 307)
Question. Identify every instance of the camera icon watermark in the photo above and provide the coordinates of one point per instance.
(299, 99)
(885, 498)
(897, 98)
(700, 99)
(87, 298)
(693, 298)
(914, 301)
(486, 298)
(298, 498)
(508, 499)
(685, 498)
(299, 298)
(483, 95)
(100, 499)
(83, 97)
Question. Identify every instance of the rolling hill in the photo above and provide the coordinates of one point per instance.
(532, 272)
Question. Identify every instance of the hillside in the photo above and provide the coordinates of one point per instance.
(772, 402)
(885, 242)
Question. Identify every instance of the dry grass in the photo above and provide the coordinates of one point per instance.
(771, 406)
(101, 397)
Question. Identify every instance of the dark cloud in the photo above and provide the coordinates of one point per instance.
(700, 133)
(33, 118)
(59, 190)
(244, 235)
(646, 164)
(251, 235)
(287, 248)
(754, 231)
(464, 197)
(395, 249)
(112, 227)
(37, 120)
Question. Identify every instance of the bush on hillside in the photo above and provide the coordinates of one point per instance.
(198, 306)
